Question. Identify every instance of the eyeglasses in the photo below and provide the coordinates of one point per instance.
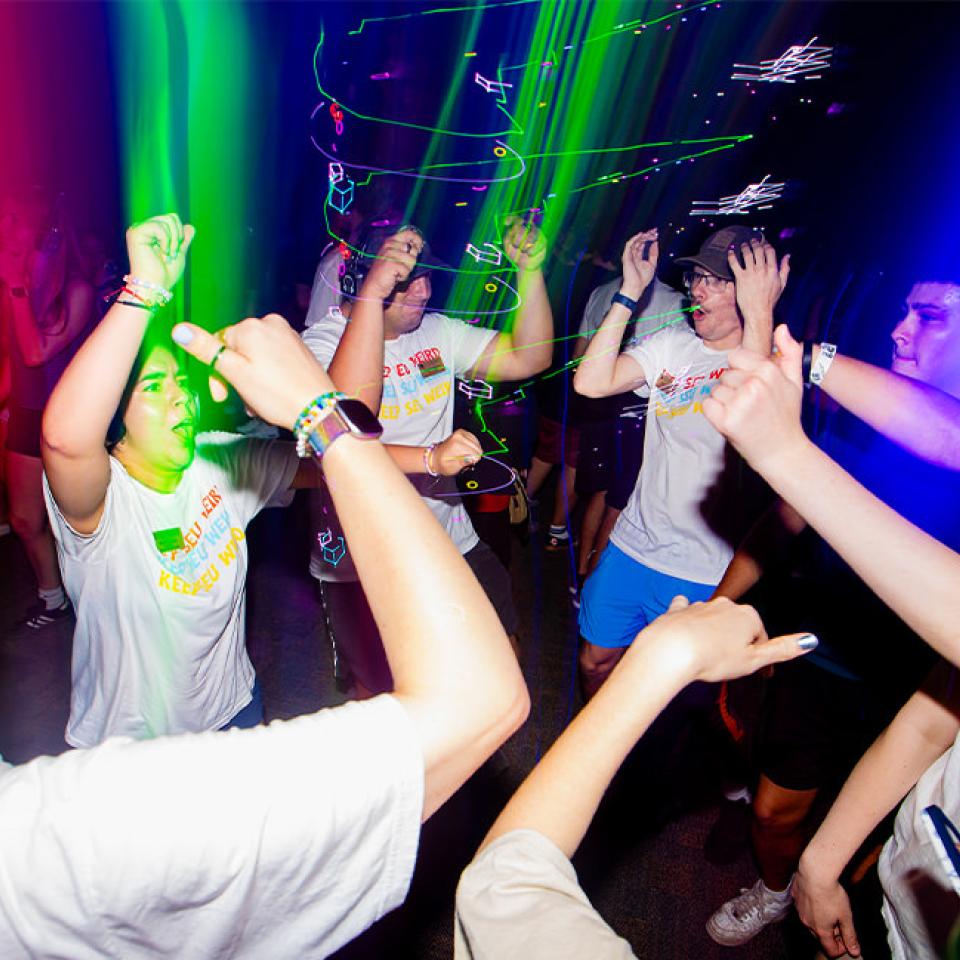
(692, 277)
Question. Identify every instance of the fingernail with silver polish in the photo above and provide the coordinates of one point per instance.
(808, 642)
(182, 335)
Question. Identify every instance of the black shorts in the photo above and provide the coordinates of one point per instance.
(814, 726)
(23, 431)
(358, 649)
(595, 463)
(556, 444)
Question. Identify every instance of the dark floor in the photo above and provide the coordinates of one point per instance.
(642, 864)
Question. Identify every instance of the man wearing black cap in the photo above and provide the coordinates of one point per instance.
(676, 534)
(382, 346)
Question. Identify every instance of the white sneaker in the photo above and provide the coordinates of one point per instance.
(743, 917)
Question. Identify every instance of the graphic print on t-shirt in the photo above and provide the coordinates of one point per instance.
(417, 387)
(677, 394)
(210, 539)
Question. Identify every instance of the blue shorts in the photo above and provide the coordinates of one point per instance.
(622, 596)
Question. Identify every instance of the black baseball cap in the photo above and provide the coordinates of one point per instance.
(712, 255)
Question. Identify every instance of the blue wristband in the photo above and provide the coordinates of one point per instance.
(625, 301)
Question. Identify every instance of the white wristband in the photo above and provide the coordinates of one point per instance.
(822, 364)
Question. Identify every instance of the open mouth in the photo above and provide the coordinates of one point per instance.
(187, 429)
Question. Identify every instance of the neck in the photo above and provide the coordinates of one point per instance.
(730, 341)
(153, 477)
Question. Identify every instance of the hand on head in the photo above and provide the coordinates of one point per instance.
(640, 256)
(524, 244)
(265, 360)
(760, 281)
(157, 249)
(756, 404)
(394, 262)
(718, 640)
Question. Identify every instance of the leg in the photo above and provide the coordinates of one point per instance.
(28, 517)
(589, 528)
(566, 497)
(538, 472)
(596, 664)
(779, 830)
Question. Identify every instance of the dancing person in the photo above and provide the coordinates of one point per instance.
(240, 843)
(819, 716)
(519, 897)
(47, 307)
(383, 347)
(149, 518)
(675, 535)
(757, 408)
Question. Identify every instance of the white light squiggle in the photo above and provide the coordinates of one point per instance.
(794, 62)
(757, 195)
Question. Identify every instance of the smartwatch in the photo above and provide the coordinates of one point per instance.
(344, 417)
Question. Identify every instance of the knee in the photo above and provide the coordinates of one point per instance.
(27, 524)
(598, 661)
(775, 814)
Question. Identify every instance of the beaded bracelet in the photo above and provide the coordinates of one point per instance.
(161, 295)
(310, 416)
(427, 453)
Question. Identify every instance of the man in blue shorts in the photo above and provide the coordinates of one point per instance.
(677, 532)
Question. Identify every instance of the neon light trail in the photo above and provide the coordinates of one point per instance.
(760, 195)
(795, 62)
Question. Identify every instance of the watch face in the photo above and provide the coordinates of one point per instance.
(361, 418)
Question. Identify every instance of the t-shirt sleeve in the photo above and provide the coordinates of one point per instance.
(96, 546)
(259, 471)
(467, 343)
(650, 354)
(596, 309)
(323, 337)
(520, 899)
(239, 843)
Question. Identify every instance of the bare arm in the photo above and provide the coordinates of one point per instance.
(924, 728)
(79, 411)
(756, 406)
(712, 641)
(465, 698)
(357, 364)
(38, 344)
(528, 348)
(604, 371)
(918, 417)
(768, 537)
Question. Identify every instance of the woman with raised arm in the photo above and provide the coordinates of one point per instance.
(46, 309)
(149, 519)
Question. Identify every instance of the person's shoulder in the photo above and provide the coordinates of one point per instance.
(675, 336)
(333, 319)
(219, 447)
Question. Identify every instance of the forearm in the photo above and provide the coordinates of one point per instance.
(561, 795)
(79, 411)
(765, 542)
(918, 417)
(910, 571)
(466, 696)
(532, 336)
(26, 330)
(758, 330)
(884, 775)
(408, 460)
(596, 373)
(357, 365)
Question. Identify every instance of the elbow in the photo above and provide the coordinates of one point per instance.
(582, 384)
(55, 437)
(513, 708)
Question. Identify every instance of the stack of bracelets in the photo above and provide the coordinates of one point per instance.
(310, 416)
(143, 294)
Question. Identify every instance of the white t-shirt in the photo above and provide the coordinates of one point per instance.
(659, 306)
(664, 525)
(274, 842)
(159, 642)
(416, 410)
(915, 846)
(325, 292)
(520, 899)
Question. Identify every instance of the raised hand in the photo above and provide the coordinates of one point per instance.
(459, 451)
(265, 360)
(157, 249)
(718, 640)
(640, 257)
(756, 404)
(524, 244)
(394, 262)
(824, 909)
(761, 280)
